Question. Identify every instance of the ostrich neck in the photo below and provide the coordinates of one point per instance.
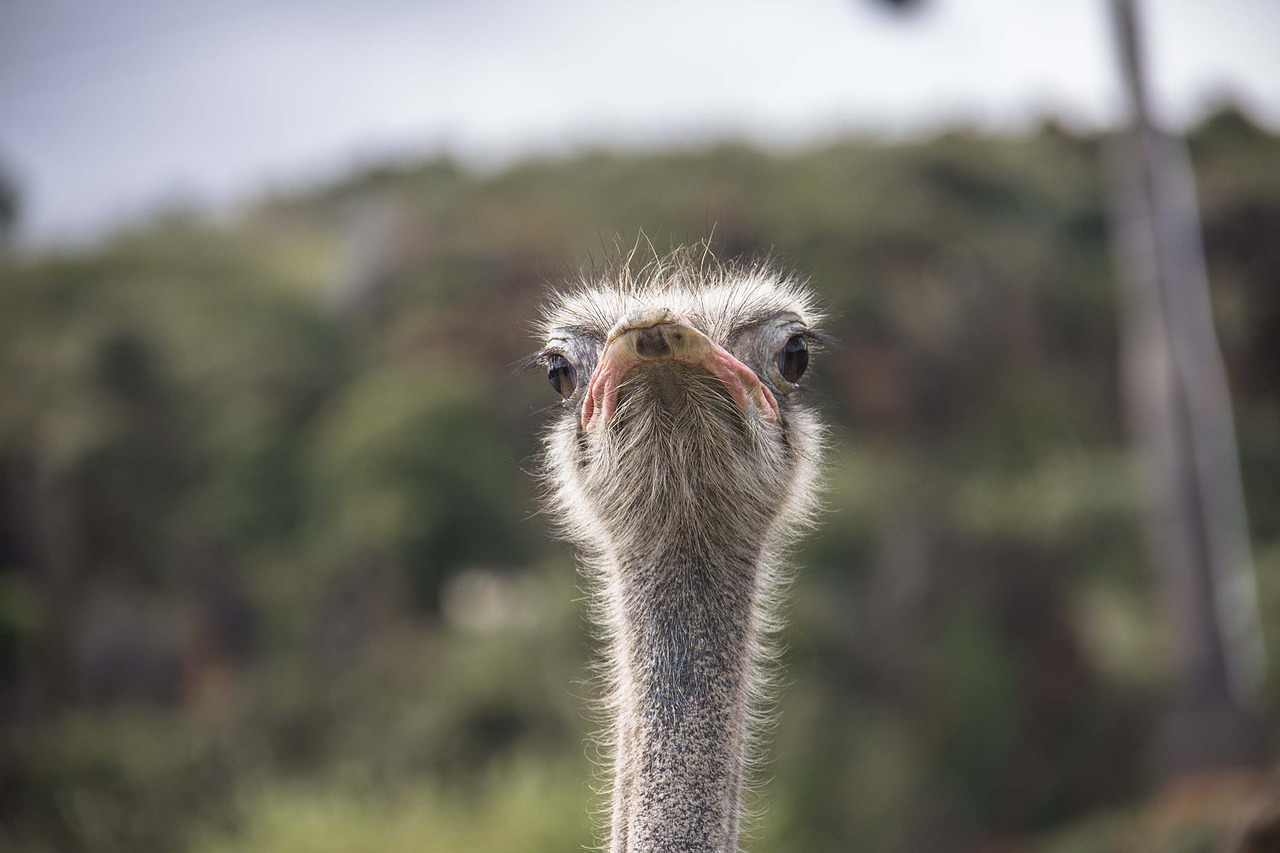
(684, 653)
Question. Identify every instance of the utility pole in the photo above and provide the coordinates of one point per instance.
(1179, 413)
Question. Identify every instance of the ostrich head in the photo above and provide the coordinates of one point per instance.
(682, 463)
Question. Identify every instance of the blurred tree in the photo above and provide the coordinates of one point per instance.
(408, 476)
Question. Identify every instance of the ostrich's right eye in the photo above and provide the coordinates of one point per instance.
(562, 376)
(793, 359)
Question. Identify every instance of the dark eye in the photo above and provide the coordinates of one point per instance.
(793, 359)
(562, 376)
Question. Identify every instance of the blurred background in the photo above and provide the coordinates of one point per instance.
(272, 572)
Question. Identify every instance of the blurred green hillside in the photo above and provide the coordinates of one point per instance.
(272, 576)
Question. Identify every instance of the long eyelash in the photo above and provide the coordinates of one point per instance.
(530, 363)
(820, 340)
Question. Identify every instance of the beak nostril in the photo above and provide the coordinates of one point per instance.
(652, 343)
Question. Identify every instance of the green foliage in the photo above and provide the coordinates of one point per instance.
(523, 806)
(272, 575)
(404, 462)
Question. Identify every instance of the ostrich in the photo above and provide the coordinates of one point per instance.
(682, 464)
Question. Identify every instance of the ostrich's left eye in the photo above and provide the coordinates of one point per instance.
(793, 359)
(562, 376)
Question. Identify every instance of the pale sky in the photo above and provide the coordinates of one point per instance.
(109, 108)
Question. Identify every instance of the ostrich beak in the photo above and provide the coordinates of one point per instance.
(658, 334)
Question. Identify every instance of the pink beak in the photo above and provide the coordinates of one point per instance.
(655, 334)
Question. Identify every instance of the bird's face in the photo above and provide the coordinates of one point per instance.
(681, 405)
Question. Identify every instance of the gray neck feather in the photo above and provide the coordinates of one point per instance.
(684, 655)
